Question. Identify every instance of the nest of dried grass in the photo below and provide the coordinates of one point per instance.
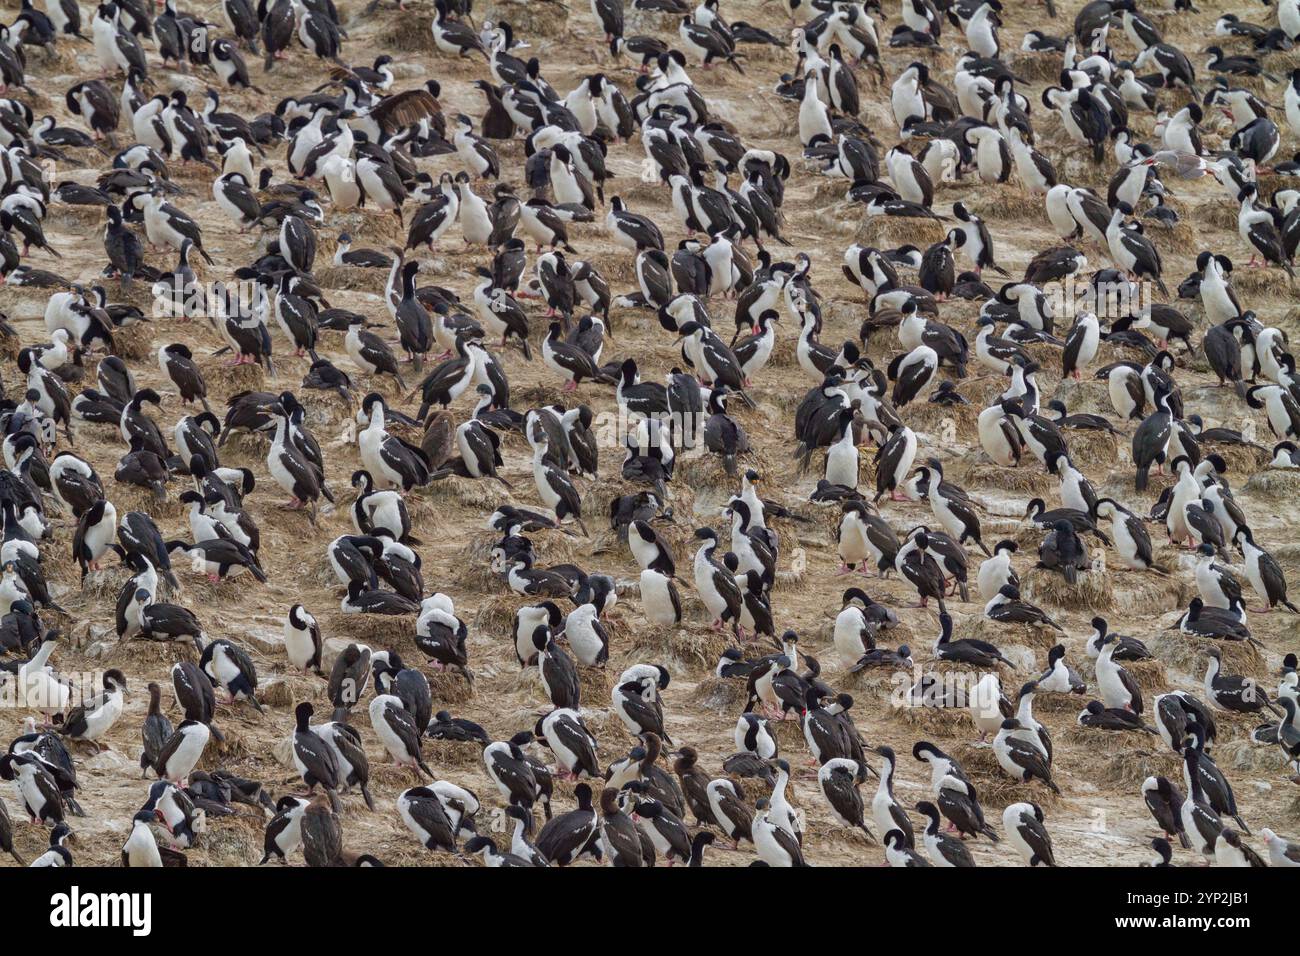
(943, 425)
(143, 655)
(1145, 592)
(1037, 641)
(1059, 703)
(350, 278)
(788, 733)
(934, 721)
(496, 615)
(1122, 759)
(597, 684)
(233, 841)
(325, 410)
(449, 687)
(1242, 754)
(1040, 67)
(792, 580)
(133, 342)
(1181, 235)
(1093, 592)
(688, 645)
(532, 19)
(376, 630)
(719, 695)
(1221, 216)
(1187, 653)
(1271, 283)
(127, 497)
(472, 569)
(226, 379)
(442, 754)
(706, 470)
(829, 191)
(1275, 483)
(471, 492)
(409, 33)
(367, 228)
(234, 746)
(887, 232)
(1088, 445)
(277, 692)
(1028, 479)
(1008, 203)
(873, 683)
(1150, 675)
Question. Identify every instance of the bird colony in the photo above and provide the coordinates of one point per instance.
(640, 433)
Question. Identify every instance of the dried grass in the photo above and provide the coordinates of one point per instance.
(1028, 480)
(1040, 67)
(706, 471)
(450, 687)
(1148, 592)
(377, 630)
(531, 19)
(597, 684)
(873, 683)
(350, 278)
(127, 497)
(1262, 284)
(688, 645)
(410, 34)
(134, 342)
(1092, 446)
(1007, 203)
(1037, 639)
(1149, 674)
(1241, 754)
(326, 411)
(941, 425)
(472, 569)
(888, 232)
(1122, 759)
(935, 721)
(226, 379)
(1274, 483)
(139, 654)
(1093, 592)
(1187, 653)
(719, 695)
(497, 614)
(442, 754)
(470, 492)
